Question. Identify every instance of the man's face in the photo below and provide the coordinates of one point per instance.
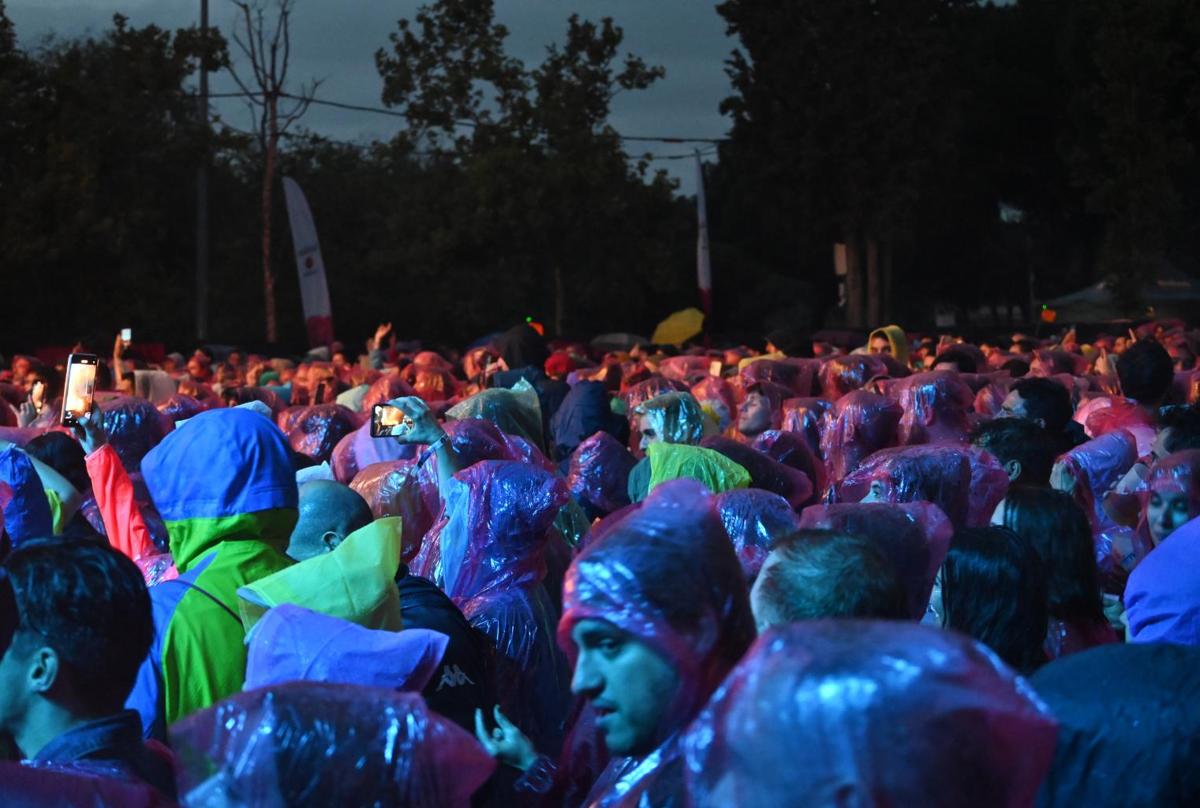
(1166, 512)
(649, 432)
(880, 345)
(15, 691)
(754, 417)
(631, 687)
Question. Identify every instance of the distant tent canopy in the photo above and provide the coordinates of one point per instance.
(1170, 293)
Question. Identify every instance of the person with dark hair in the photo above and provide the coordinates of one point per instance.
(64, 455)
(1145, 371)
(790, 342)
(1048, 404)
(1178, 429)
(1024, 449)
(75, 626)
(1059, 531)
(1017, 368)
(957, 357)
(993, 589)
(813, 574)
(655, 615)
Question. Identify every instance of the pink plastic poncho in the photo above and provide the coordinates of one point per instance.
(766, 472)
(717, 398)
(1123, 414)
(180, 407)
(914, 536)
(791, 449)
(965, 482)
(398, 488)
(837, 712)
(845, 374)
(317, 429)
(647, 389)
(492, 550)
(686, 369)
(315, 744)
(795, 375)
(1090, 470)
(1048, 362)
(385, 389)
(927, 399)
(667, 561)
(755, 520)
(134, 427)
(358, 450)
(805, 416)
(857, 426)
(598, 475)
(290, 644)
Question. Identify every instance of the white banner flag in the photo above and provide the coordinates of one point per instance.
(314, 291)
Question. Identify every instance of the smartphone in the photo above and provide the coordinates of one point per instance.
(714, 367)
(126, 335)
(319, 394)
(80, 388)
(388, 421)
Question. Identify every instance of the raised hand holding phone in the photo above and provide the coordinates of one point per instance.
(80, 388)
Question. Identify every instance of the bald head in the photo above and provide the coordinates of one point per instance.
(329, 512)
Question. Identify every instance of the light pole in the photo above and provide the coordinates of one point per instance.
(202, 186)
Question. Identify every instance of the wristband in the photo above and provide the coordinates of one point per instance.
(433, 447)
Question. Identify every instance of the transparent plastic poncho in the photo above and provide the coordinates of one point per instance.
(805, 416)
(964, 482)
(676, 417)
(315, 430)
(857, 426)
(134, 427)
(837, 712)
(598, 474)
(755, 520)
(914, 536)
(766, 472)
(792, 450)
(939, 396)
(845, 374)
(315, 744)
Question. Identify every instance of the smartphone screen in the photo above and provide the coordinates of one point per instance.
(80, 387)
(387, 421)
(127, 335)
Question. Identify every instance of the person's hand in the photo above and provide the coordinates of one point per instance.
(425, 428)
(91, 430)
(118, 346)
(26, 414)
(505, 743)
(382, 331)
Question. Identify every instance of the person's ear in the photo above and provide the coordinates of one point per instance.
(331, 540)
(43, 670)
(1013, 468)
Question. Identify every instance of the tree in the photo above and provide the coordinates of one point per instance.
(268, 53)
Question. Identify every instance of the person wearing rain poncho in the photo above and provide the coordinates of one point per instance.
(655, 615)
(837, 712)
(225, 487)
(672, 419)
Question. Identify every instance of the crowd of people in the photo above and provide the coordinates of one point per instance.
(921, 570)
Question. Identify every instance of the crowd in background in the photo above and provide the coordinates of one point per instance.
(913, 570)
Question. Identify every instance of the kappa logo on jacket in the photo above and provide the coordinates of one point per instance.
(453, 676)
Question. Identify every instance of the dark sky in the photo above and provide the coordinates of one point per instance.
(336, 40)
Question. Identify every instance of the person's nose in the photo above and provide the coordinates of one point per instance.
(586, 680)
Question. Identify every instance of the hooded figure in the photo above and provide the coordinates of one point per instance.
(914, 536)
(766, 472)
(669, 461)
(965, 482)
(717, 400)
(317, 429)
(317, 744)
(935, 408)
(792, 450)
(1171, 496)
(598, 475)
(1162, 597)
(804, 416)
(224, 485)
(1088, 472)
(134, 427)
(1127, 734)
(584, 412)
(755, 520)
(515, 412)
(492, 542)
(845, 374)
(358, 450)
(857, 426)
(836, 712)
(663, 581)
(897, 340)
(673, 417)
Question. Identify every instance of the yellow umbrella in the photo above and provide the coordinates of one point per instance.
(679, 327)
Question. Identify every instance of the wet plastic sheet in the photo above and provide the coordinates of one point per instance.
(755, 520)
(515, 412)
(316, 430)
(676, 417)
(791, 449)
(857, 426)
(845, 374)
(134, 427)
(358, 450)
(180, 407)
(766, 472)
(717, 399)
(400, 489)
(598, 475)
(915, 537)
(669, 461)
(1092, 469)
(928, 397)
(869, 713)
(312, 744)
(964, 482)
(804, 416)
